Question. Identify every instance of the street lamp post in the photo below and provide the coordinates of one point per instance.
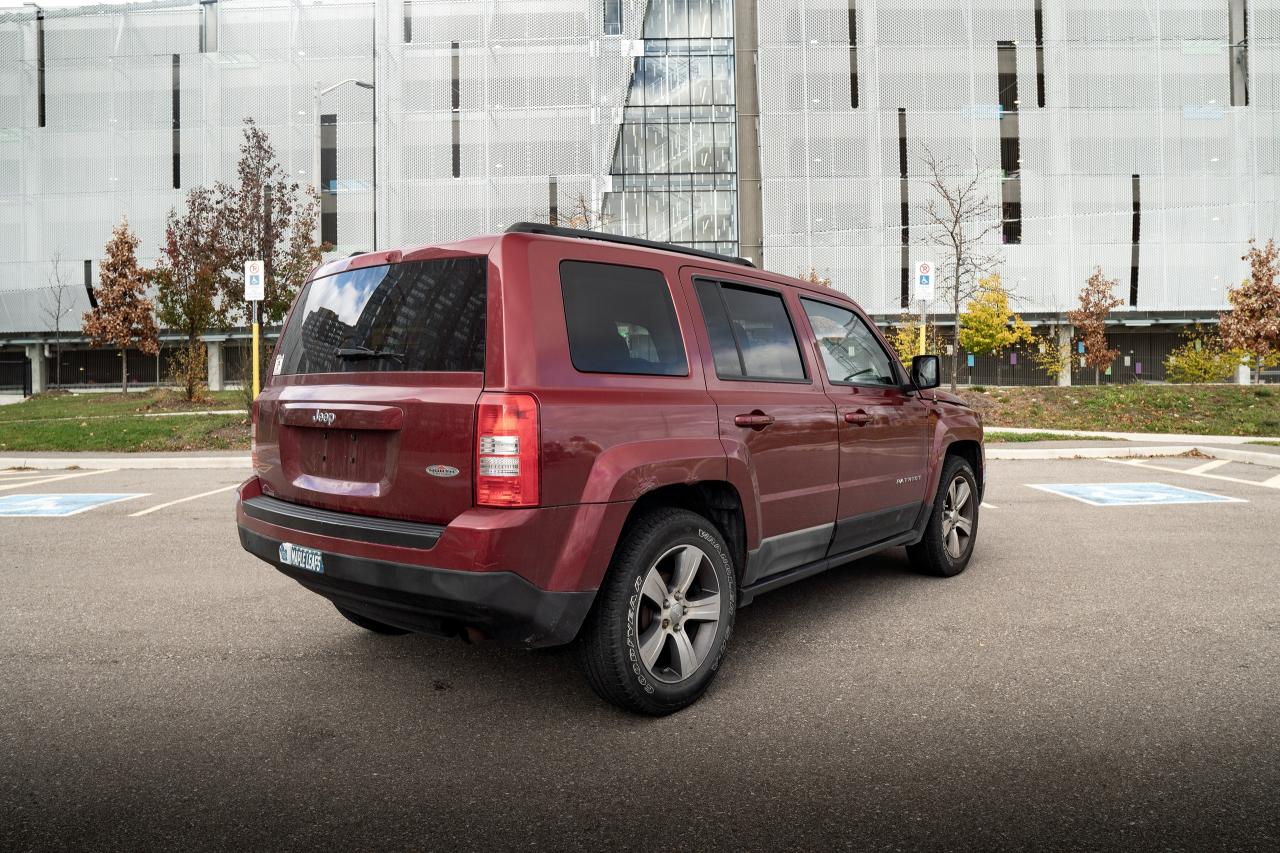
(317, 93)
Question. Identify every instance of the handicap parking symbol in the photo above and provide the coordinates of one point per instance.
(59, 506)
(1131, 494)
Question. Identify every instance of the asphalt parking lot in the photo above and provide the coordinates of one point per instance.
(1101, 677)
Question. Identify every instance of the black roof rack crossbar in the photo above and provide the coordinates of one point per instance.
(557, 231)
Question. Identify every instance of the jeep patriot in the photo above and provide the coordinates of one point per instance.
(551, 436)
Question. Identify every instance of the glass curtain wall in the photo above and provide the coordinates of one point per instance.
(674, 168)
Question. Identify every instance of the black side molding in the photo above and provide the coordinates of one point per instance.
(343, 525)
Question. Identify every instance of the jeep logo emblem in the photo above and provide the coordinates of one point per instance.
(323, 417)
(442, 471)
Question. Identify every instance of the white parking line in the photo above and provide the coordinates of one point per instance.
(43, 480)
(1273, 483)
(152, 509)
(1208, 466)
(986, 505)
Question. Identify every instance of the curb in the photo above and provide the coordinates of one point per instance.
(118, 463)
(1265, 460)
(1171, 438)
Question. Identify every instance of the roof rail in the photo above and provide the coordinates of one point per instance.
(557, 231)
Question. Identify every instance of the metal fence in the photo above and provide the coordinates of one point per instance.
(15, 375)
(100, 367)
(1141, 359)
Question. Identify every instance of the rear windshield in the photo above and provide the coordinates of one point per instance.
(418, 315)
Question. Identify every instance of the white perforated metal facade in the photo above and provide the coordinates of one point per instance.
(1131, 88)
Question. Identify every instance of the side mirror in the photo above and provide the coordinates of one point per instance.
(925, 372)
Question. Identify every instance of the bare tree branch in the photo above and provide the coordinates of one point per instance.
(960, 217)
(57, 305)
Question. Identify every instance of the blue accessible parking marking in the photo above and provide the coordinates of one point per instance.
(1131, 494)
(58, 506)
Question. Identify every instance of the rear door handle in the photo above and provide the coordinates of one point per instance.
(755, 420)
(858, 418)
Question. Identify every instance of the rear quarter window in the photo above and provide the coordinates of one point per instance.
(621, 320)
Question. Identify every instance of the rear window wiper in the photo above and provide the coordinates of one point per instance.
(365, 352)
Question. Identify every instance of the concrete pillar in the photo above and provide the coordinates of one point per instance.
(215, 365)
(1244, 376)
(1064, 342)
(39, 368)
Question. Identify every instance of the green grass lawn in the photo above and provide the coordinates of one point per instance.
(994, 436)
(117, 422)
(61, 404)
(1202, 409)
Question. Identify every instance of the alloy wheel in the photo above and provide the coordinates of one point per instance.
(958, 510)
(677, 614)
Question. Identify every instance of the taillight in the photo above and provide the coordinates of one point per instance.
(507, 455)
(253, 436)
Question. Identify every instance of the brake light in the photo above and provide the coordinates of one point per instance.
(507, 452)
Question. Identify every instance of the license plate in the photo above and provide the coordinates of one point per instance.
(307, 559)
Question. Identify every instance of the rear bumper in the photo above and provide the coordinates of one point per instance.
(523, 577)
(503, 605)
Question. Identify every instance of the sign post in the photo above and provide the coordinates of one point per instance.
(255, 290)
(925, 274)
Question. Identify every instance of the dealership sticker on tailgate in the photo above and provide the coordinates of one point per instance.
(307, 559)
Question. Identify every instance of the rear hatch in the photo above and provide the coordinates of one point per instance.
(371, 405)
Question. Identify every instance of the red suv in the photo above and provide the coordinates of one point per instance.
(552, 435)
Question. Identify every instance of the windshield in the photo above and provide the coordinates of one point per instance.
(418, 315)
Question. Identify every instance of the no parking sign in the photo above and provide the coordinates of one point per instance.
(926, 271)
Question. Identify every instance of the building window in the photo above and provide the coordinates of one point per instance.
(1137, 238)
(1039, 15)
(613, 17)
(208, 26)
(177, 122)
(906, 210)
(88, 282)
(40, 114)
(1010, 148)
(457, 110)
(853, 53)
(1239, 52)
(674, 167)
(329, 179)
(553, 201)
(408, 21)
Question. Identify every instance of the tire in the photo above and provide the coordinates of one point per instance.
(654, 659)
(946, 546)
(371, 624)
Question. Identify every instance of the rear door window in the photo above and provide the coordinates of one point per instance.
(417, 315)
(751, 333)
(621, 320)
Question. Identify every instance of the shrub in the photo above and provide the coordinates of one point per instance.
(1202, 358)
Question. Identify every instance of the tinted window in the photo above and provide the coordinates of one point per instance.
(755, 324)
(723, 347)
(850, 351)
(621, 320)
(419, 315)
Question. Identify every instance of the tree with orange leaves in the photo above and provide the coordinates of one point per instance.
(1253, 324)
(123, 316)
(1090, 319)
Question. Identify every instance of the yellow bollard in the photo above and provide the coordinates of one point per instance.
(256, 383)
